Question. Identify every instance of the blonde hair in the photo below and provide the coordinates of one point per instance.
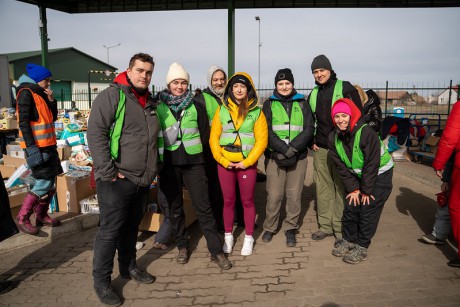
(362, 94)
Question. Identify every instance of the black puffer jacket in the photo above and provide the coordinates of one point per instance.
(372, 111)
(324, 101)
(28, 113)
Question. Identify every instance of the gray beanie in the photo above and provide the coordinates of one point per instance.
(321, 61)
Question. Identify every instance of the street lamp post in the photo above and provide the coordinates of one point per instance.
(108, 47)
(260, 45)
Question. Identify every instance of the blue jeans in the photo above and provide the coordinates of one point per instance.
(442, 227)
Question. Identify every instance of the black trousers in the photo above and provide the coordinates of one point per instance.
(359, 223)
(172, 179)
(214, 191)
(121, 206)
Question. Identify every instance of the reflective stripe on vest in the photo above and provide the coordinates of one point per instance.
(43, 128)
(286, 128)
(211, 106)
(357, 163)
(338, 93)
(174, 132)
(245, 132)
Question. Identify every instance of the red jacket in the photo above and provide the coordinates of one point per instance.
(450, 140)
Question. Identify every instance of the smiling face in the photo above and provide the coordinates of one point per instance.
(140, 74)
(342, 120)
(284, 87)
(240, 92)
(218, 81)
(178, 87)
(321, 75)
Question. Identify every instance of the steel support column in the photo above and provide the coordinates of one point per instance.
(231, 37)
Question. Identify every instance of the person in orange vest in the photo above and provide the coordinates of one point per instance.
(37, 111)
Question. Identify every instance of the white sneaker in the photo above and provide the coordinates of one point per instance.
(228, 243)
(247, 246)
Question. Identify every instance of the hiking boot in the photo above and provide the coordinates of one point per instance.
(455, 263)
(182, 257)
(248, 245)
(290, 238)
(221, 261)
(356, 255)
(108, 296)
(319, 235)
(267, 236)
(341, 248)
(431, 239)
(138, 276)
(228, 243)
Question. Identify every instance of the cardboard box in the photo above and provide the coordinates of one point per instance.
(15, 150)
(64, 153)
(71, 188)
(16, 199)
(152, 221)
(432, 143)
(13, 161)
(7, 170)
(8, 124)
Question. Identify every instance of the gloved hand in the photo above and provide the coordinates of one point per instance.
(280, 156)
(290, 152)
(34, 156)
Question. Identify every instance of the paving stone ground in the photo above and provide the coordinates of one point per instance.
(400, 270)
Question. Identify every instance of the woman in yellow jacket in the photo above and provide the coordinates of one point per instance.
(239, 136)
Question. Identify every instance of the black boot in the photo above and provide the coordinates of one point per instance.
(108, 296)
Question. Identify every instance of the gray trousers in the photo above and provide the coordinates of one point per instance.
(280, 181)
(329, 193)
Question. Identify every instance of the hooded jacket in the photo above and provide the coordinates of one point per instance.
(301, 141)
(27, 112)
(224, 157)
(369, 145)
(137, 158)
(372, 111)
(209, 90)
(324, 125)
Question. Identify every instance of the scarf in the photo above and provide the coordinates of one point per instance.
(176, 103)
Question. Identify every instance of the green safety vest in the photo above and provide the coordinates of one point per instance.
(246, 131)
(115, 131)
(211, 106)
(338, 93)
(357, 159)
(176, 132)
(284, 127)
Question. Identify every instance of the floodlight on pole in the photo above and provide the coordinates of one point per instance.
(260, 45)
(108, 47)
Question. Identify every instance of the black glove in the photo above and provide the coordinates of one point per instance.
(290, 152)
(34, 156)
(280, 156)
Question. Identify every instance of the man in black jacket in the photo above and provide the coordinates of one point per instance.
(329, 186)
(124, 151)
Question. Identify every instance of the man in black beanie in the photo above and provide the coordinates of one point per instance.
(329, 186)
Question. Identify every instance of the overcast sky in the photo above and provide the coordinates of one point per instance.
(367, 46)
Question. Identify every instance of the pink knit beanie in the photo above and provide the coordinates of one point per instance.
(341, 107)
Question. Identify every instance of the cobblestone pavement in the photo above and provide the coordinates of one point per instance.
(400, 270)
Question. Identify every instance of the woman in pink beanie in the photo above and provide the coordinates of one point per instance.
(366, 169)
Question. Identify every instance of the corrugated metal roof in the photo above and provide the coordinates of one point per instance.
(102, 6)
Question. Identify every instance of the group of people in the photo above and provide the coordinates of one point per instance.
(211, 144)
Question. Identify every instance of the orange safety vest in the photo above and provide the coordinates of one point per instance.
(43, 128)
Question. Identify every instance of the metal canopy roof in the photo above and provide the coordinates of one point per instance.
(104, 6)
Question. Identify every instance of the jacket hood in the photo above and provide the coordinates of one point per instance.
(26, 79)
(122, 79)
(211, 72)
(355, 112)
(253, 100)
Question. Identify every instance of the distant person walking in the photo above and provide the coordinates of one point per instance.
(239, 137)
(448, 145)
(290, 131)
(122, 137)
(329, 186)
(366, 169)
(37, 111)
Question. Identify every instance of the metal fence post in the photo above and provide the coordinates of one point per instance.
(62, 98)
(386, 98)
(450, 96)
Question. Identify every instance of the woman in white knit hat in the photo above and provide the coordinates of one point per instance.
(185, 128)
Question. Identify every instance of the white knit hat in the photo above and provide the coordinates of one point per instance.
(176, 71)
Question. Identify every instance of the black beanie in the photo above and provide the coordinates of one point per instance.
(241, 79)
(284, 74)
(321, 61)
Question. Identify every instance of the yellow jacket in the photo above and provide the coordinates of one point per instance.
(224, 157)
